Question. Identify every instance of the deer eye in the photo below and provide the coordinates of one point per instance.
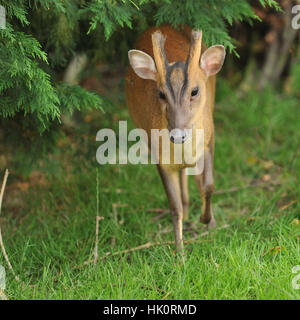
(195, 92)
(161, 95)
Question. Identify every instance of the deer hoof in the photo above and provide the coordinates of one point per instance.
(209, 221)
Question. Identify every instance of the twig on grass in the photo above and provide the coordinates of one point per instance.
(158, 210)
(98, 218)
(151, 244)
(166, 296)
(146, 246)
(163, 213)
(1, 240)
(155, 244)
(288, 205)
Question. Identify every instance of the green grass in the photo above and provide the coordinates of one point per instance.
(49, 229)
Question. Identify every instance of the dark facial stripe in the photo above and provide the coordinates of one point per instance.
(185, 81)
(170, 69)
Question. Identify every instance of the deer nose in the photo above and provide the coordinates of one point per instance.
(178, 136)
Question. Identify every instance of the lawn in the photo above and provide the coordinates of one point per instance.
(49, 214)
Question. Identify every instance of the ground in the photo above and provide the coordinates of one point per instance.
(49, 214)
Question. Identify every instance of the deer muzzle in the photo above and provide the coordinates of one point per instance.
(179, 136)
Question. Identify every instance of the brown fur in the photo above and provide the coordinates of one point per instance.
(141, 95)
(148, 111)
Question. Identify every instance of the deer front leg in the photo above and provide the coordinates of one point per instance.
(170, 179)
(184, 193)
(205, 183)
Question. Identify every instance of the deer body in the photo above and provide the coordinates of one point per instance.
(171, 85)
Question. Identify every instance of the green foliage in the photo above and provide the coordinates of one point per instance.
(27, 82)
(42, 36)
(110, 14)
(23, 84)
(76, 97)
(212, 16)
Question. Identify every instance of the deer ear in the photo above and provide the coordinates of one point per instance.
(142, 64)
(212, 59)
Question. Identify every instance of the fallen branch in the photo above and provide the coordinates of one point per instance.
(158, 210)
(288, 205)
(1, 240)
(164, 212)
(151, 244)
(155, 244)
(146, 246)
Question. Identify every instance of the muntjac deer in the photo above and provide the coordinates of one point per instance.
(170, 84)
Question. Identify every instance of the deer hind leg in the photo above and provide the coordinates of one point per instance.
(205, 183)
(170, 179)
(184, 193)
